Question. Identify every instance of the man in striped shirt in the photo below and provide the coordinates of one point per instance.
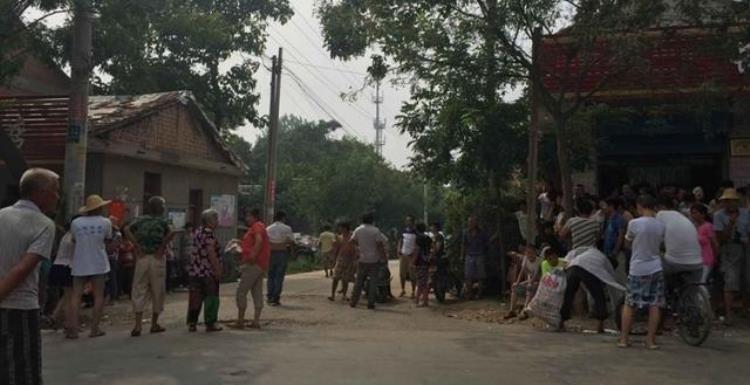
(583, 229)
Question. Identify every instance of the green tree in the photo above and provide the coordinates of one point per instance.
(18, 39)
(322, 179)
(485, 46)
(207, 46)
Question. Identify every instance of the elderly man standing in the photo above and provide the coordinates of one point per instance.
(26, 238)
(151, 234)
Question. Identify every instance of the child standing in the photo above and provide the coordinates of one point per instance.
(646, 278)
(526, 283)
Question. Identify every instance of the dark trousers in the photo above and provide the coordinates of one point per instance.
(576, 276)
(20, 347)
(203, 289)
(366, 270)
(113, 282)
(125, 278)
(276, 273)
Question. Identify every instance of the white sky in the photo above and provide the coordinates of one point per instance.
(325, 79)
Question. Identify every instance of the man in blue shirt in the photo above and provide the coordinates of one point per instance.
(614, 231)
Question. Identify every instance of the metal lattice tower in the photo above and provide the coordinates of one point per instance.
(378, 124)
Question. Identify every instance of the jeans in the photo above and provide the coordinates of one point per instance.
(366, 270)
(276, 273)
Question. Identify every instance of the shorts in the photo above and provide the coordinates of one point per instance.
(733, 257)
(406, 269)
(646, 290)
(60, 276)
(474, 269)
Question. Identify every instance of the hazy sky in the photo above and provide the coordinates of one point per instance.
(324, 79)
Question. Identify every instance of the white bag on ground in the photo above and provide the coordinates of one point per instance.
(549, 297)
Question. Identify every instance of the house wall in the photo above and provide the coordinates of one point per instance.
(123, 178)
(174, 132)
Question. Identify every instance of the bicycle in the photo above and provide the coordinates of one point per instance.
(689, 303)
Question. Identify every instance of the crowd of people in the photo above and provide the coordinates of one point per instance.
(658, 234)
(654, 233)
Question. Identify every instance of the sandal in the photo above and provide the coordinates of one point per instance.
(254, 325)
(523, 316)
(213, 328)
(331, 299)
(623, 345)
(510, 315)
(157, 329)
(97, 333)
(135, 333)
(192, 328)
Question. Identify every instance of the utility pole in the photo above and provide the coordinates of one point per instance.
(273, 137)
(534, 133)
(74, 177)
(379, 124)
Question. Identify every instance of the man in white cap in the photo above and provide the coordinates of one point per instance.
(26, 238)
(732, 224)
(91, 232)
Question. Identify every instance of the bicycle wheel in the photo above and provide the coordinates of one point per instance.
(694, 315)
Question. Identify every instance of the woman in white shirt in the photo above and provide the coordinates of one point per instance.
(91, 232)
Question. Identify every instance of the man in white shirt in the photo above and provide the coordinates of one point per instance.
(646, 279)
(407, 245)
(683, 251)
(281, 238)
(26, 238)
(369, 242)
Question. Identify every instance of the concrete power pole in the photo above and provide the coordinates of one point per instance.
(273, 137)
(379, 124)
(534, 137)
(74, 177)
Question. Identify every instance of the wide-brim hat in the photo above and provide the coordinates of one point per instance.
(93, 202)
(729, 194)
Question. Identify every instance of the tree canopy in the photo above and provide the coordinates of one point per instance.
(462, 57)
(210, 47)
(322, 179)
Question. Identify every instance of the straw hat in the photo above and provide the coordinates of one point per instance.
(730, 194)
(93, 202)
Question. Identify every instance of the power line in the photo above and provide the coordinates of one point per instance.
(324, 80)
(315, 32)
(321, 104)
(329, 68)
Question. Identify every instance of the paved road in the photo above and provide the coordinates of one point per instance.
(312, 341)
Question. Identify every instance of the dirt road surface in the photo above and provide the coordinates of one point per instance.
(310, 340)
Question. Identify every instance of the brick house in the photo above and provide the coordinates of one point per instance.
(139, 146)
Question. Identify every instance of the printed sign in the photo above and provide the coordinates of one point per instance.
(226, 206)
(177, 218)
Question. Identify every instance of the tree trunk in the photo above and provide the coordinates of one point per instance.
(563, 161)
